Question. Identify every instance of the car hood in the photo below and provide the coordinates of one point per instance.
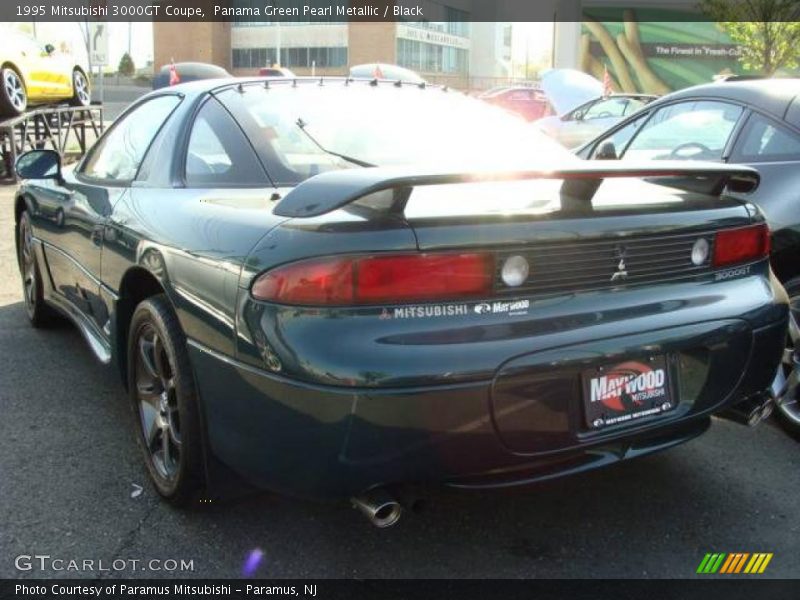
(567, 89)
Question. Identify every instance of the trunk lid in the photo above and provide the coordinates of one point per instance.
(567, 89)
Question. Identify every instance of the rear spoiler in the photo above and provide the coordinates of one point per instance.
(329, 191)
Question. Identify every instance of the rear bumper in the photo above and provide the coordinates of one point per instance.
(334, 441)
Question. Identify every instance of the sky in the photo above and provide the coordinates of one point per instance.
(535, 38)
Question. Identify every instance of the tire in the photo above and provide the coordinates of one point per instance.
(787, 383)
(39, 314)
(81, 93)
(13, 95)
(164, 401)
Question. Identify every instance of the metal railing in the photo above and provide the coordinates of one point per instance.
(69, 130)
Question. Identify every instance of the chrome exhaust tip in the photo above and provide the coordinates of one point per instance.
(380, 507)
(751, 411)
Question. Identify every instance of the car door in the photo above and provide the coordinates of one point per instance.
(34, 69)
(82, 202)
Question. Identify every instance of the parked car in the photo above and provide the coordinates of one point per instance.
(187, 72)
(754, 122)
(582, 109)
(528, 102)
(336, 288)
(35, 74)
(385, 71)
(276, 72)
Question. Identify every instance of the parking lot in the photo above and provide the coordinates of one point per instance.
(69, 467)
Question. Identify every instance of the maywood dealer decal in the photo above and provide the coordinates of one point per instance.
(513, 308)
(628, 391)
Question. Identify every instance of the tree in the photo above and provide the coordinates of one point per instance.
(767, 31)
(126, 66)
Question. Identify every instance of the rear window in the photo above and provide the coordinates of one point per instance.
(292, 127)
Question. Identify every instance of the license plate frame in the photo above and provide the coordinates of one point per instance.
(626, 392)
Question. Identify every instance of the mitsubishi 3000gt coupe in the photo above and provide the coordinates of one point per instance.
(336, 288)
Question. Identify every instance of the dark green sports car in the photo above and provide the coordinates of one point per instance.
(335, 288)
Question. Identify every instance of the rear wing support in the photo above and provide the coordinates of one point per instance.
(330, 191)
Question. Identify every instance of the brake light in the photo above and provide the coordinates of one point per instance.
(741, 245)
(378, 279)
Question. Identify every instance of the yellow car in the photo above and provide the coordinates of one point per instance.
(35, 74)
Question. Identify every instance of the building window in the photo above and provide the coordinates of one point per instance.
(254, 58)
(432, 58)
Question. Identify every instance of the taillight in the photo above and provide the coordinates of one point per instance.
(378, 279)
(742, 245)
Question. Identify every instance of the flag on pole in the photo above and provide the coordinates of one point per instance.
(607, 88)
(174, 78)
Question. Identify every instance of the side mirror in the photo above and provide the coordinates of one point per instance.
(39, 164)
(607, 151)
(49, 48)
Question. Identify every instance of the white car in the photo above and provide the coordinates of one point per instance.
(582, 111)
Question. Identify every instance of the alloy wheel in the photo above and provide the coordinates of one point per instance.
(158, 403)
(786, 387)
(81, 87)
(14, 89)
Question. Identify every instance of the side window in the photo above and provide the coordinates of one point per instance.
(613, 107)
(697, 130)
(763, 140)
(219, 155)
(621, 136)
(117, 156)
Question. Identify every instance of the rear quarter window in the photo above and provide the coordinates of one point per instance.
(765, 140)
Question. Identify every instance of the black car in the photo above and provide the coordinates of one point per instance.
(753, 122)
(481, 309)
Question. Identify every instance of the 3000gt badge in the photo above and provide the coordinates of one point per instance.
(626, 391)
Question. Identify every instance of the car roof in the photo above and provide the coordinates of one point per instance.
(203, 86)
(774, 96)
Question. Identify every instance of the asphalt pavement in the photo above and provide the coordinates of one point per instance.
(69, 468)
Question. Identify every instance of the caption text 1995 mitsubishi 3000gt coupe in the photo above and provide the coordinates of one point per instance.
(335, 287)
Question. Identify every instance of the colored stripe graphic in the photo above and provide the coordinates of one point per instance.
(731, 561)
(711, 563)
(759, 562)
(741, 562)
(728, 564)
(734, 563)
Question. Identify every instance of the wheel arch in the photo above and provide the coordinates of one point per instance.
(137, 284)
(22, 203)
(83, 72)
(11, 64)
(785, 264)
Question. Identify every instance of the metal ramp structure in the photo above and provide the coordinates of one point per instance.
(69, 130)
